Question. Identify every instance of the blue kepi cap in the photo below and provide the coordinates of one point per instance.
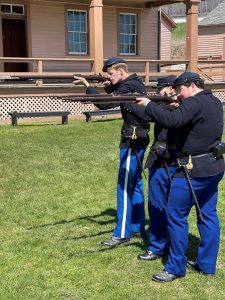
(164, 81)
(112, 61)
(186, 77)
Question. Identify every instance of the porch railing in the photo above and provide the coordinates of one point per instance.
(143, 67)
(37, 66)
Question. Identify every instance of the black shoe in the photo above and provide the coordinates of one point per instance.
(114, 241)
(148, 255)
(192, 265)
(164, 276)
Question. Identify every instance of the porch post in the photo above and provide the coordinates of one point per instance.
(96, 35)
(1, 45)
(192, 34)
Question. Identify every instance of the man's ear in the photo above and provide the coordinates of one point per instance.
(193, 86)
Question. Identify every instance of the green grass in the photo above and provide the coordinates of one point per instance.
(58, 202)
(179, 33)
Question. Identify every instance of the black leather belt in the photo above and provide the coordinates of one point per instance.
(139, 127)
(185, 155)
(202, 155)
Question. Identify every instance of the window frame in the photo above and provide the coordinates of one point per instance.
(79, 9)
(129, 12)
(11, 10)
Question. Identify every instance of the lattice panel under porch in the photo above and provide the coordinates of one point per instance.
(220, 95)
(37, 103)
(44, 103)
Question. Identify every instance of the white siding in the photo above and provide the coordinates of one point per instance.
(149, 33)
(48, 33)
(165, 40)
(211, 43)
(48, 29)
(210, 40)
(110, 32)
(147, 40)
(48, 37)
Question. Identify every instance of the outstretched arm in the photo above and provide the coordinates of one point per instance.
(179, 117)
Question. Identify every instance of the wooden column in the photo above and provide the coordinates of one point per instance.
(96, 35)
(192, 34)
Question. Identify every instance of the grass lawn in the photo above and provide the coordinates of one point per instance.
(179, 32)
(58, 202)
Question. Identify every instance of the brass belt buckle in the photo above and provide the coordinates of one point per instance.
(189, 165)
(134, 136)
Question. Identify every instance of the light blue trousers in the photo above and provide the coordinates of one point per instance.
(179, 204)
(130, 194)
(158, 192)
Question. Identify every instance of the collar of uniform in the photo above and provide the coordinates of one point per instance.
(132, 76)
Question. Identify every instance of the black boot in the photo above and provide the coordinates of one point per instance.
(148, 255)
(164, 276)
(192, 265)
(114, 241)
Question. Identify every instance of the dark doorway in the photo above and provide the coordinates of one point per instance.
(14, 43)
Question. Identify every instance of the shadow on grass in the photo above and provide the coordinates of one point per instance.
(86, 236)
(132, 243)
(103, 120)
(193, 242)
(141, 243)
(36, 124)
(51, 224)
(92, 218)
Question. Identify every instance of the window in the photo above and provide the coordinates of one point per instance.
(12, 9)
(77, 31)
(128, 34)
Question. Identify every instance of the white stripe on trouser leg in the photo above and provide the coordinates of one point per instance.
(125, 194)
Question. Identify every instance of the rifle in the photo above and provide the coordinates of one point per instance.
(95, 77)
(115, 98)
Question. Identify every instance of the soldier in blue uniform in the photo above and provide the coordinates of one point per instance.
(133, 143)
(160, 163)
(200, 122)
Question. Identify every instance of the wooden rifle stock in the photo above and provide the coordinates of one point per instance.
(114, 98)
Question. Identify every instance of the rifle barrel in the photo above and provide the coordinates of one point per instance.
(98, 78)
(113, 98)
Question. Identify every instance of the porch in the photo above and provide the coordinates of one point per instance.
(102, 16)
(88, 32)
(208, 68)
(43, 95)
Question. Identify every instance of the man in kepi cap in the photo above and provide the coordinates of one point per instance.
(112, 61)
(163, 82)
(200, 167)
(160, 163)
(133, 143)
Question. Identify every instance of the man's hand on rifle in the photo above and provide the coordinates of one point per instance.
(142, 101)
(107, 82)
(176, 101)
(81, 80)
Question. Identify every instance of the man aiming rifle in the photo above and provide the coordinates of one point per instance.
(133, 143)
(161, 166)
(199, 120)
